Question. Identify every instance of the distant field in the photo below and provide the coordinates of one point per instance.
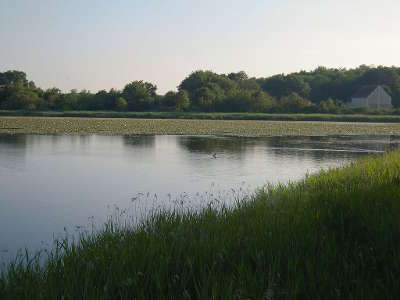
(119, 126)
(211, 116)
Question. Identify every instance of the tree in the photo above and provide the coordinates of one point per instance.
(21, 98)
(262, 102)
(177, 101)
(239, 76)
(121, 104)
(100, 101)
(330, 106)
(182, 101)
(208, 98)
(13, 78)
(249, 101)
(139, 95)
(3, 95)
(294, 103)
(207, 90)
(281, 85)
(70, 100)
(249, 84)
(53, 99)
(113, 96)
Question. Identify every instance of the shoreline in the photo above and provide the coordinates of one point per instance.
(367, 117)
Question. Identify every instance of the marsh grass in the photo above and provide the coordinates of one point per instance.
(333, 235)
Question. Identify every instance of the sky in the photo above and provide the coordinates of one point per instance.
(103, 44)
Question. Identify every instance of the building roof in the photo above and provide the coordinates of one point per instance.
(365, 91)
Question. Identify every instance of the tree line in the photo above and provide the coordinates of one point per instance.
(324, 90)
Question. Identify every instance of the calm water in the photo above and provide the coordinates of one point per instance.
(48, 183)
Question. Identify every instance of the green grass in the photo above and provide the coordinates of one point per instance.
(332, 235)
(118, 126)
(372, 117)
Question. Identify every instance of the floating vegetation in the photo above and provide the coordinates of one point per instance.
(111, 126)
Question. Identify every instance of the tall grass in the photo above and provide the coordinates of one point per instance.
(332, 235)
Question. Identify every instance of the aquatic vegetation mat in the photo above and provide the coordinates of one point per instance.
(110, 126)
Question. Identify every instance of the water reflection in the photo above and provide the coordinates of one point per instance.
(315, 148)
(51, 182)
(12, 152)
(146, 141)
(16, 141)
(211, 145)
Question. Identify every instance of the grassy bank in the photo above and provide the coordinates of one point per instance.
(114, 126)
(333, 235)
(376, 118)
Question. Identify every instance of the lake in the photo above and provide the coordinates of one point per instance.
(50, 185)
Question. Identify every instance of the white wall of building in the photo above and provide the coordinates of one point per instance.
(379, 98)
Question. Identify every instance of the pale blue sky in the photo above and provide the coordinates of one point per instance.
(102, 44)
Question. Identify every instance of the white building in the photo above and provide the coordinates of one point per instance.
(371, 96)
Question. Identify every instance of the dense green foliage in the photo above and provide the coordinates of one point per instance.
(321, 90)
(334, 235)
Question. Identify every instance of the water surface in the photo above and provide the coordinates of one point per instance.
(48, 183)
